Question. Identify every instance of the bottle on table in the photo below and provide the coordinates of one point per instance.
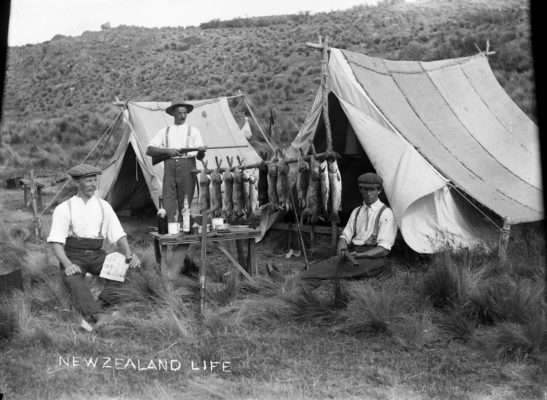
(162, 218)
(186, 216)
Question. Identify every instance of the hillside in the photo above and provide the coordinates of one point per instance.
(59, 93)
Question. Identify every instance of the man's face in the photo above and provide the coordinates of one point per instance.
(88, 185)
(370, 194)
(180, 114)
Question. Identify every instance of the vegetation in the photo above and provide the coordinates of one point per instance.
(59, 93)
(459, 325)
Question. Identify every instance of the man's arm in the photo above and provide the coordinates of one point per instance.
(129, 255)
(70, 267)
(375, 252)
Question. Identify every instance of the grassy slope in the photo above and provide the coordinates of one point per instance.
(59, 93)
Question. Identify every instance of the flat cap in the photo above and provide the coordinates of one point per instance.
(189, 107)
(369, 179)
(83, 171)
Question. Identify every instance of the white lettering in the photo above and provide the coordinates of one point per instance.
(90, 362)
(139, 366)
(106, 362)
(63, 361)
(214, 364)
(162, 364)
(178, 367)
(194, 368)
(151, 365)
(118, 363)
(226, 366)
(130, 362)
(75, 361)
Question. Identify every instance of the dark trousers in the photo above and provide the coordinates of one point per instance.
(178, 182)
(89, 257)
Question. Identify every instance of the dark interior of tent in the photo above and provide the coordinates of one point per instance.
(353, 162)
(130, 191)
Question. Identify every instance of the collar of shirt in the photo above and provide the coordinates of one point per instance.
(374, 206)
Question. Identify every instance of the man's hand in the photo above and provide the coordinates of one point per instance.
(72, 269)
(202, 149)
(173, 152)
(133, 261)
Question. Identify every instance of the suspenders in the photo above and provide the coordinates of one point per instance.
(71, 226)
(166, 136)
(376, 227)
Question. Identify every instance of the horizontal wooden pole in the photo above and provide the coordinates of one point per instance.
(322, 230)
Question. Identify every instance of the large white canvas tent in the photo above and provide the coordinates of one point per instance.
(130, 181)
(456, 154)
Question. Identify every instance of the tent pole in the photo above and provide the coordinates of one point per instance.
(504, 239)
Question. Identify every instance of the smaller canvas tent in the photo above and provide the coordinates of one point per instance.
(455, 152)
(130, 181)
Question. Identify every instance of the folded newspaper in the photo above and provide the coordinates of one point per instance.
(114, 267)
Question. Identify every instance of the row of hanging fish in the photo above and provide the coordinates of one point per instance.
(318, 186)
(239, 198)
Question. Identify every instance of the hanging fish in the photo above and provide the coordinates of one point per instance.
(253, 196)
(263, 181)
(228, 178)
(245, 194)
(204, 195)
(283, 183)
(335, 184)
(313, 197)
(302, 181)
(325, 188)
(216, 190)
(239, 202)
(272, 184)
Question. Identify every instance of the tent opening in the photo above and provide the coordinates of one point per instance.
(354, 160)
(130, 191)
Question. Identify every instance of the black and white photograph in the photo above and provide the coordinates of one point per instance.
(272, 200)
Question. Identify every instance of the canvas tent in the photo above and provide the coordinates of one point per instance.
(130, 181)
(455, 152)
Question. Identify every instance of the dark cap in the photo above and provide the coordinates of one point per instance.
(83, 171)
(370, 179)
(189, 107)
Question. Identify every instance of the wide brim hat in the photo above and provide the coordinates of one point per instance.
(189, 107)
(83, 171)
(370, 179)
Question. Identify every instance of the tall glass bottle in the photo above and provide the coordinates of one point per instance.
(162, 218)
(186, 216)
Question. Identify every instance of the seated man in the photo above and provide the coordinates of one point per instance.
(364, 243)
(78, 228)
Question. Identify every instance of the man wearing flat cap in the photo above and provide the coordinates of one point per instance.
(178, 180)
(364, 243)
(78, 229)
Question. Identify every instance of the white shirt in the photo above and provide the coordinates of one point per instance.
(357, 232)
(178, 138)
(86, 221)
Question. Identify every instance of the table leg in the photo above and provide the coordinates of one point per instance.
(157, 250)
(241, 251)
(251, 257)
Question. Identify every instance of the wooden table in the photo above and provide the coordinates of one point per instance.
(166, 243)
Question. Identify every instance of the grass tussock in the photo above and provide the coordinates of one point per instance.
(519, 339)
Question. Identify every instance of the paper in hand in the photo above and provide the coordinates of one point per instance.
(114, 267)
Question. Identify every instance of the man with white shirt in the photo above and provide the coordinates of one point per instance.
(178, 180)
(365, 242)
(78, 229)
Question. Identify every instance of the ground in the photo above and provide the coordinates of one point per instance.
(273, 345)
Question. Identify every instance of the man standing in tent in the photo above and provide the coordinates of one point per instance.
(78, 229)
(178, 180)
(365, 242)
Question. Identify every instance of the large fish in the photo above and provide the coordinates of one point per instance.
(302, 181)
(252, 205)
(239, 202)
(335, 184)
(313, 197)
(228, 178)
(325, 188)
(216, 190)
(272, 184)
(263, 184)
(245, 193)
(283, 184)
(204, 195)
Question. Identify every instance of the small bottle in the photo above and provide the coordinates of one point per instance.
(162, 218)
(186, 217)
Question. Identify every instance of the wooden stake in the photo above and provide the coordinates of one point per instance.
(36, 220)
(504, 239)
(203, 267)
